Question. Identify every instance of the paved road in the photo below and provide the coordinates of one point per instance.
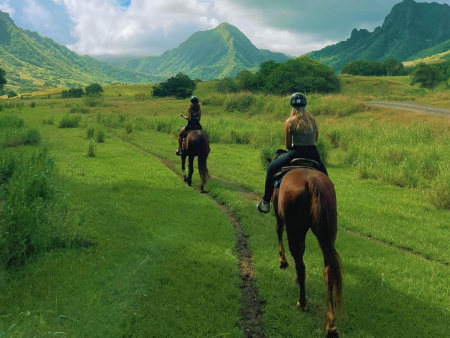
(411, 106)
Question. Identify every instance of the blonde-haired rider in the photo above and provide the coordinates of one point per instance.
(301, 135)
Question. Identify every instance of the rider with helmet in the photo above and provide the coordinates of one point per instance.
(193, 117)
(301, 135)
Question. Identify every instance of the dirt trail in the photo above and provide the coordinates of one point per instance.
(251, 305)
(411, 106)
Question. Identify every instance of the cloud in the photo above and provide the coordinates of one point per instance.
(143, 27)
(38, 15)
(6, 7)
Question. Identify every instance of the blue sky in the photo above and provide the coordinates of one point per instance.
(150, 27)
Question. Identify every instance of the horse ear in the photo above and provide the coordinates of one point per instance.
(268, 159)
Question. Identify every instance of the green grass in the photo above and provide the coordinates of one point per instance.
(382, 282)
(150, 273)
(153, 270)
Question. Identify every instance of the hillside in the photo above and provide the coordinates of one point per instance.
(32, 61)
(211, 54)
(410, 31)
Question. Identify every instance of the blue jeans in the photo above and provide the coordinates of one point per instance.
(309, 152)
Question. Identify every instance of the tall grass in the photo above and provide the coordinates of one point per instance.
(34, 216)
(412, 156)
(278, 106)
(13, 132)
(69, 121)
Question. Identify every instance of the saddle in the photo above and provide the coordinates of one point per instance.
(296, 163)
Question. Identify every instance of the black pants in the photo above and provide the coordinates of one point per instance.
(309, 152)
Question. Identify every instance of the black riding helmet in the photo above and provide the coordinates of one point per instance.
(194, 99)
(298, 100)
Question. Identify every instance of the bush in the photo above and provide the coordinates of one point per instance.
(94, 100)
(100, 135)
(440, 189)
(90, 132)
(129, 128)
(49, 120)
(14, 133)
(79, 110)
(33, 104)
(69, 121)
(24, 215)
(91, 149)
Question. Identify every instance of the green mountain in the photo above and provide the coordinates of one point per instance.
(212, 54)
(411, 30)
(32, 61)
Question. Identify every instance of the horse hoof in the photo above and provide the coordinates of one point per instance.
(203, 191)
(301, 307)
(284, 265)
(332, 334)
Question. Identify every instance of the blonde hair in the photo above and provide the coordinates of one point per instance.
(302, 120)
(194, 107)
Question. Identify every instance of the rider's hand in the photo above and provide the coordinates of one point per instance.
(181, 114)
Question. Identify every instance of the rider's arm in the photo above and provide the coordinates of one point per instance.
(188, 115)
(287, 135)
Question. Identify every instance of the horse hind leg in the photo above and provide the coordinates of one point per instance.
(282, 256)
(296, 242)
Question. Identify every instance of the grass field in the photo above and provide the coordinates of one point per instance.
(161, 260)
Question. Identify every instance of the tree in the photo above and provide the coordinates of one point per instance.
(426, 75)
(2, 78)
(364, 67)
(94, 89)
(246, 80)
(226, 85)
(393, 67)
(181, 86)
(302, 75)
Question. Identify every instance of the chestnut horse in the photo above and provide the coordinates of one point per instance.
(196, 143)
(306, 199)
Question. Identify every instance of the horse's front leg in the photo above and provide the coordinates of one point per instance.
(183, 166)
(191, 170)
(282, 257)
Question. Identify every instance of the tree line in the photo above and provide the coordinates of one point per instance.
(77, 92)
(427, 75)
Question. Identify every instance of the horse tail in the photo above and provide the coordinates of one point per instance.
(324, 222)
(203, 152)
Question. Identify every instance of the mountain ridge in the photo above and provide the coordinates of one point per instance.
(211, 54)
(32, 61)
(409, 29)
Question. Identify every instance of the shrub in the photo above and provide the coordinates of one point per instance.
(79, 110)
(90, 132)
(100, 135)
(94, 100)
(49, 120)
(69, 121)
(91, 149)
(33, 104)
(440, 189)
(129, 128)
(24, 215)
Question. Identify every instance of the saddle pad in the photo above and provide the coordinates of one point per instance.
(279, 175)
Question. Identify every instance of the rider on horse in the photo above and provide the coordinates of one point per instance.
(193, 117)
(301, 135)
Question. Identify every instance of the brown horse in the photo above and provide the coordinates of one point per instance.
(196, 144)
(306, 199)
